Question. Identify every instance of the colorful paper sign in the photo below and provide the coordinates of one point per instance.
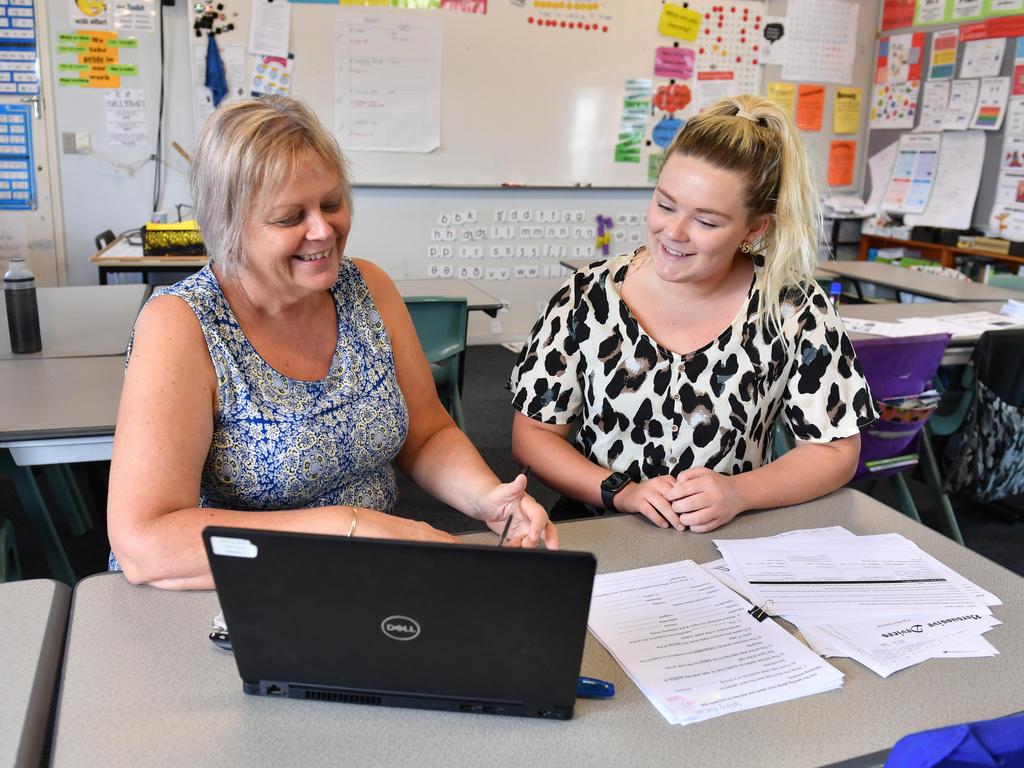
(670, 61)
(783, 94)
(678, 22)
(672, 98)
(841, 157)
(846, 110)
(897, 14)
(810, 107)
(666, 130)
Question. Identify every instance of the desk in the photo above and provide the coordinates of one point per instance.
(143, 685)
(82, 321)
(959, 350)
(123, 256)
(33, 616)
(915, 282)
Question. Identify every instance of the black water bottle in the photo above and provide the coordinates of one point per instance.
(22, 308)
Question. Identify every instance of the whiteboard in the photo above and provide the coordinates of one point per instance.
(521, 104)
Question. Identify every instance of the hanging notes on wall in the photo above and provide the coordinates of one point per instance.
(933, 105)
(810, 107)
(841, 157)
(820, 45)
(963, 97)
(894, 105)
(943, 64)
(992, 96)
(846, 111)
(783, 94)
(951, 203)
(913, 174)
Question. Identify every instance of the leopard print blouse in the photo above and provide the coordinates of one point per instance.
(647, 411)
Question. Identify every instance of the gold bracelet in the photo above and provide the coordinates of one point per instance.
(352, 528)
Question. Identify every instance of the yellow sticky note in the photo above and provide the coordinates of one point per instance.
(846, 111)
(783, 94)
(678, 22)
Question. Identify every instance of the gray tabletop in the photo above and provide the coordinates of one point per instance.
(33, 616)
(82, 321)
(960, 348)
(144, 686)
(60, 396)
(916, 282)
(477, 299)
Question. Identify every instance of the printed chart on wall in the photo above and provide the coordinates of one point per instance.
(913, 174)
(897, 81)
(18, 52)
(17, 170)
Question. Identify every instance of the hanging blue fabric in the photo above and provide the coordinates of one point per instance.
(216, 79)
(997, 742)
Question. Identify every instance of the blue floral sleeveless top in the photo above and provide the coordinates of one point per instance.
(282, 443)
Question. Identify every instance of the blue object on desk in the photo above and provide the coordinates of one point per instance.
(592, 688)
(989, 742)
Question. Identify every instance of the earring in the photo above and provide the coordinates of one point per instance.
(746, 247)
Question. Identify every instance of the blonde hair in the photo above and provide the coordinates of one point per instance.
(756, 138)
(244, 148)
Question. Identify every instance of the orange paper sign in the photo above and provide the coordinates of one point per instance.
(841, 156)
(810, 107)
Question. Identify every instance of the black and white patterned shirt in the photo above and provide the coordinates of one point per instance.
(647, 411)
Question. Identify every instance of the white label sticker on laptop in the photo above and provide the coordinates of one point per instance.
(231, 547)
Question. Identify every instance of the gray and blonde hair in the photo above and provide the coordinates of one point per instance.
(757, 139)
(244, 148)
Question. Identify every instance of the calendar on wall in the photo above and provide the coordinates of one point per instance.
(731, 39)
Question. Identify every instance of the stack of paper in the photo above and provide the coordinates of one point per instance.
(694, 649)
(880, 600)
(1013, 308)
(963, 325)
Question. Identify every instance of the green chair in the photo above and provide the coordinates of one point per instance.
(1013, 282)
(441, 326)
(10, 567)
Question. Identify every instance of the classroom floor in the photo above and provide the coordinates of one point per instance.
(489, 420)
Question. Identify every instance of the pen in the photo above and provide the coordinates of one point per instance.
(592, 688)
(508, 520)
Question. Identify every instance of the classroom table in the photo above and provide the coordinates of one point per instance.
(959, 350)
(143, 685)
(81, 321)
(477, 299)
(123, 255)
(33, 617)
(916, 282)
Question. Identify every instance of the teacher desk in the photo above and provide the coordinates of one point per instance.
(143, 684)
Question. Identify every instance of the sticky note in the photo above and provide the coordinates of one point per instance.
(678, 22)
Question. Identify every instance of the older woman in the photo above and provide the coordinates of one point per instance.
(273, 388)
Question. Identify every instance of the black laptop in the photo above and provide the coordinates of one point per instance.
(393, 623)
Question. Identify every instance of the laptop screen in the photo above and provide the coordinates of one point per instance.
(443, 626)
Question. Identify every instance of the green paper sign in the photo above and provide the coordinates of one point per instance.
(122, 69)
(73, 67)
(123, 42)
(74, 81)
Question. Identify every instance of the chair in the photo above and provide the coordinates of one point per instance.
(10, 567)
(987, 425)
(104, 238)
(441, 326)
(898, 367)
(1013, 282)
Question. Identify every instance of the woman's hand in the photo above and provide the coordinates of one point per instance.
(650, 499)
(704, 499)
(530, 523)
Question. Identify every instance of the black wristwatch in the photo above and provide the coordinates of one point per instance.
(610, 486)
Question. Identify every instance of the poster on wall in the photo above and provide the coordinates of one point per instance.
(820, 46)
(88, 14)
(992, 95)
(897, 14)
(19, 55)
(894, 105)
(18, 177)
(951, 203)
(943, 63)
(963, 97)
(934, 102)
(900, 58)
(913, 173)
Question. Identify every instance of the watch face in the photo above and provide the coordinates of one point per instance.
(614, 482)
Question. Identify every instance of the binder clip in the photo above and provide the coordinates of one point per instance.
(761, 613)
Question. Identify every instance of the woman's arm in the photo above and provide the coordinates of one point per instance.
(164, 429)
(437, 455)
(555, 461)
(705, 500)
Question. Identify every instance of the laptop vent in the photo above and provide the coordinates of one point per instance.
(344, 698)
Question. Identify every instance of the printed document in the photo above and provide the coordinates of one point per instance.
(692, 647)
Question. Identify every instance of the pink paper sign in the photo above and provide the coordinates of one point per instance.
(673, 62)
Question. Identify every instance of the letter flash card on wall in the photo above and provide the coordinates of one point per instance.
(17, 174)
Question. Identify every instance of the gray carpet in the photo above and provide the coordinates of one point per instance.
(489, 419)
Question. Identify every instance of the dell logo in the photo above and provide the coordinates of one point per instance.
(400, 628)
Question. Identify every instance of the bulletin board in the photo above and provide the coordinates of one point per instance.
(533, 98)
(881, 137)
